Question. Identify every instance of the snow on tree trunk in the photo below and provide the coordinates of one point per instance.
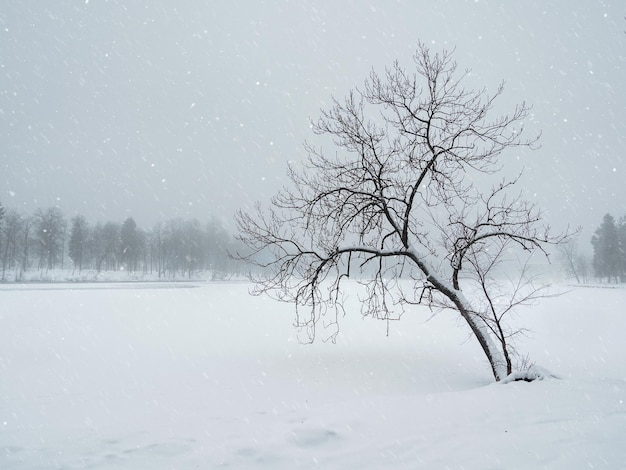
(494, 354)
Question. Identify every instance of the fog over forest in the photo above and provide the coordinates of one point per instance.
(156, 109)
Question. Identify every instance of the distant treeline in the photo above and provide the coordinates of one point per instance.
(46, 240)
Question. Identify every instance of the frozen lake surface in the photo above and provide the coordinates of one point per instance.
(202, 375)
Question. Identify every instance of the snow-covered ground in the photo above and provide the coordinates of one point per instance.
(202, 375)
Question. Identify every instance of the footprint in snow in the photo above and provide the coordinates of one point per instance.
(314, 437)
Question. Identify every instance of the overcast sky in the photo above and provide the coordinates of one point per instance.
(157, 109)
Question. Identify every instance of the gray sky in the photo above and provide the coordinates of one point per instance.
(158, 109)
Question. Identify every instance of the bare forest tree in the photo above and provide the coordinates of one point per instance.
(156, 248)
(130, 245)
(78, 243)
(575, 264)
(10, 229)
(396, 205)
(50, 235)
(26, 232)
(105, 244)
(15, 244)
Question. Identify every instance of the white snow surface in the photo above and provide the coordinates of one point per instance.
(202, 375)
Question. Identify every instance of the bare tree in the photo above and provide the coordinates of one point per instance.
(130, 244)
(398, 199)
(156, 249)
(575, 264)
(79, 236)
(50, 234)
(104, 244)
(10, 240)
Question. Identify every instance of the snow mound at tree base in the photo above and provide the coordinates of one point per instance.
(529, 375)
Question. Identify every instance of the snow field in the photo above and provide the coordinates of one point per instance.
(202, 375)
